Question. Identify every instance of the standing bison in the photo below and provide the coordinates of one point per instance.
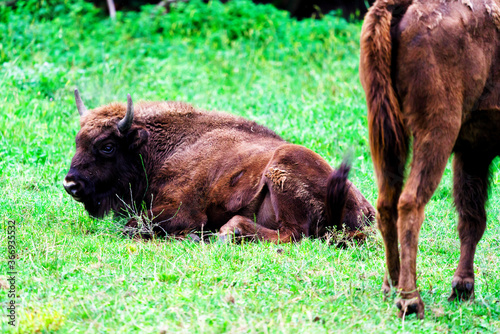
(431, 71)
(192, 170)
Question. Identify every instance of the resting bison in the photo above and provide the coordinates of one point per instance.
(197, 170)
(431, 71)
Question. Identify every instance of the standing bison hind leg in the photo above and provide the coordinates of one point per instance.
(471, 176)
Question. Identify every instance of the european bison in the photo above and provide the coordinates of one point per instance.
(431, 71)
(209, 171)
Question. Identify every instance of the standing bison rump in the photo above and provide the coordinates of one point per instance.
(188, 170)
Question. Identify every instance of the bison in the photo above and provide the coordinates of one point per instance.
(191, 170)
(431, 72)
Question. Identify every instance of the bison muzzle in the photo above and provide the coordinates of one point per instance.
(185, 170)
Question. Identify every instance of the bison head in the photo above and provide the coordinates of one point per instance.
(107, 171)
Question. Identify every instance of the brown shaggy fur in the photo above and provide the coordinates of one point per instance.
(210, 171)
(431, 71)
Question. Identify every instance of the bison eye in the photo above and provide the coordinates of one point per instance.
(108, 149)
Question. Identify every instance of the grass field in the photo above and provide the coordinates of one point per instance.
(76, 274)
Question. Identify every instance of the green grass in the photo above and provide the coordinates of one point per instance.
(298, 78)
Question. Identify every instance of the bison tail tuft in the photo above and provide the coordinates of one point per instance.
(337, 190)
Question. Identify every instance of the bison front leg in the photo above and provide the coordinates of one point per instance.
(243, 227)
(166, 220)
(470, 191)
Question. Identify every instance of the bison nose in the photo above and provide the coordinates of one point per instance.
(73, 188)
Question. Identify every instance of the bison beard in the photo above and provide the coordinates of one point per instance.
(116, 196)
(210, 171)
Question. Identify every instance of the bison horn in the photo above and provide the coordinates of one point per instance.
(79, 104)
(126, 122)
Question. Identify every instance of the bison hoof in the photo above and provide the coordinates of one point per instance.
(194, 238)
(388, 288)
(462, 288)
(409, 306)
(223, 238)
(229, 234)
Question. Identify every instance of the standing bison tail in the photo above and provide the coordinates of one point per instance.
(337, 190)
(387, 131)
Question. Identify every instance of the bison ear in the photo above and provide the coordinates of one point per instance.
(137, 137)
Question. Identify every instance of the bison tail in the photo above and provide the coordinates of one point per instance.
(387, 131)
(337, 190)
